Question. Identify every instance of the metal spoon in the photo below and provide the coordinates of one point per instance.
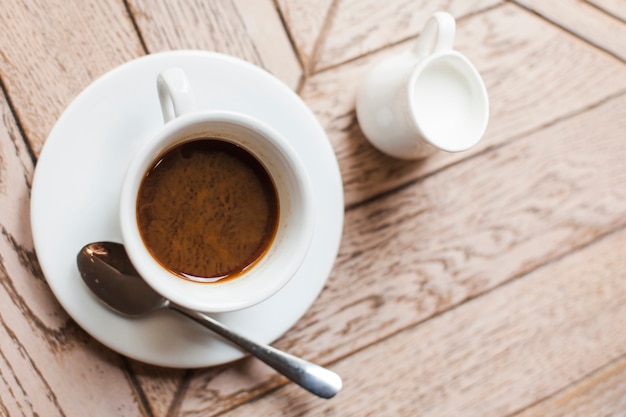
(109, 274)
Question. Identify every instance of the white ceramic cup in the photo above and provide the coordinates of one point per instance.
(429, 98)
(183, 122)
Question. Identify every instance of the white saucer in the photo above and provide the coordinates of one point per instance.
(79, 174)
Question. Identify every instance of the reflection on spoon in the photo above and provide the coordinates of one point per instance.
(107, 271)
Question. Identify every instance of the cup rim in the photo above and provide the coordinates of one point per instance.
(481, 94)
(218, 297)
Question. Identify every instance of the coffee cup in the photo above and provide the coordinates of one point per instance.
(426, 99)
(216, 207)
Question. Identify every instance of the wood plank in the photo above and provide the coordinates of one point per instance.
(69, 44)
(614, 7)
(603, 393)
(264, 25)
(534, 72)
(584, 20)
(491, 356)
(248, 29)
(305, 21)
(51, 52)
(83, 360)
(424, 249)
(362, 26)
(48, 366)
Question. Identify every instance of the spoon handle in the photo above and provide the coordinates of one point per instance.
(314, 378)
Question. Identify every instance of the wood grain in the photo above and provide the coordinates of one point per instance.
(52, 50)
(248, 29)
(519, 57)
(585, 21)
(614, 7)
(426, 248)
(493, 355)
(305, 21)
(603, 393)
(359, 27)
(159, 386)
(48, 366)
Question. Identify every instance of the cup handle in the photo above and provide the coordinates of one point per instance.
(175, 95)
(437, 36)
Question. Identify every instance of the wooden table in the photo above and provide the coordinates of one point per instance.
(486, 283)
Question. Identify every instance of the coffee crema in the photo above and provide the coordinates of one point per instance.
(207, 210)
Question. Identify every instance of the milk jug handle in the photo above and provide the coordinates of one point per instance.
(437, 36)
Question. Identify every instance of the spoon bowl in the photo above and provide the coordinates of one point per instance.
(110, 275)
(107, 271)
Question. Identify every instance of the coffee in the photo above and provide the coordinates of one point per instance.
(207, 210)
